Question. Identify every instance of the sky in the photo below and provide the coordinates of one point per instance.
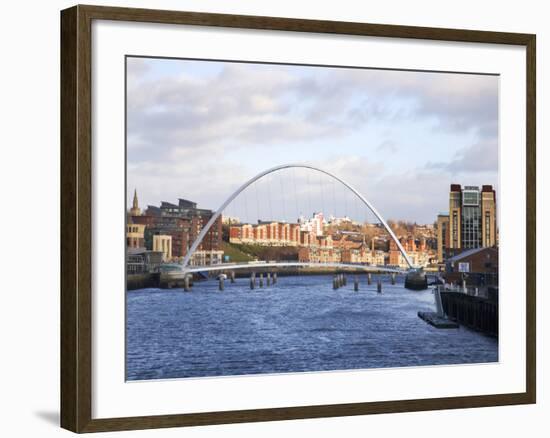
(199, 129)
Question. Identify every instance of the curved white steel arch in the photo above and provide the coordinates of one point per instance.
(251, 181)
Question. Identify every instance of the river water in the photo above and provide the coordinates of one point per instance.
(300, 324)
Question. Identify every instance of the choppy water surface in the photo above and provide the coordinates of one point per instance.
(300, 324)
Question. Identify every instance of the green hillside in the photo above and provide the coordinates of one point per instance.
(235, 254)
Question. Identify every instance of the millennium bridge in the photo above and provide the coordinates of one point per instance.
(415, 277)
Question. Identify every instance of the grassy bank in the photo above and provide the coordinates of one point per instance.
(267, 252)
(235, 254)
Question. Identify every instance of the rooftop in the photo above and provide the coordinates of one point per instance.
(469, 252)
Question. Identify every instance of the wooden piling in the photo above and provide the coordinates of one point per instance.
(252, 281)
(356, 284)
(344, 280)
(221, 285)
(262, 280)
(186, 286)
(369, 279)
(393, 278)
(232, 276)
(274, 278)
(268, 278)
(379, 286)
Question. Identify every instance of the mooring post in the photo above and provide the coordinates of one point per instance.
(356, 284)
(232, 276)
(334, 283)
(261, 280)
(379, 286)
(274, 277)
(268, 278)
(344, 280)
(369, 278)
(393, 278)
(221, 285)
(252, 281)
(186, 287)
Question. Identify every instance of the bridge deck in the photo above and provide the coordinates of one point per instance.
(230, 267)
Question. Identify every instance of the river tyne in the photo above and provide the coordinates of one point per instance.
(299, 324)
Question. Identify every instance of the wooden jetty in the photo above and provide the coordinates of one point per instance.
(437, 321)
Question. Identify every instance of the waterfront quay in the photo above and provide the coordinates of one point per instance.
(471, 307)
(472, 310)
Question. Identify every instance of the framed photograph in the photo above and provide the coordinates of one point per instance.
(270, 218)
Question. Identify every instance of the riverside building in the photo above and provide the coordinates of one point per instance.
(470, 223)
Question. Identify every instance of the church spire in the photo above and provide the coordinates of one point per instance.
(135, 204)
(135, 211)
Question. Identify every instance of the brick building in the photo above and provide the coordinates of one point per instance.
(478, 266)
(418, 251)
(315, 254)
(269, 233)
(472, 217)
(182, 222)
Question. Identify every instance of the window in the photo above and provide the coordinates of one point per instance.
(470, 197)
(487, 229)
(455, 229)
(471, 227)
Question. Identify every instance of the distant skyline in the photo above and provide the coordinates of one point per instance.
(199, 129)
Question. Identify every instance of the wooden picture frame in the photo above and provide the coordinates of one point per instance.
(76, 217)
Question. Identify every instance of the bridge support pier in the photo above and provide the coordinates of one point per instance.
(262, 280)
(416, 280)
(379, 286)
(221, 285)
(356, 284)
(369, 279)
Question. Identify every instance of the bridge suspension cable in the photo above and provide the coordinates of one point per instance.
(251, 181)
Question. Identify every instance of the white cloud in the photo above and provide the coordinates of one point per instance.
(265, 105)
(481, 156)
(188, 133)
